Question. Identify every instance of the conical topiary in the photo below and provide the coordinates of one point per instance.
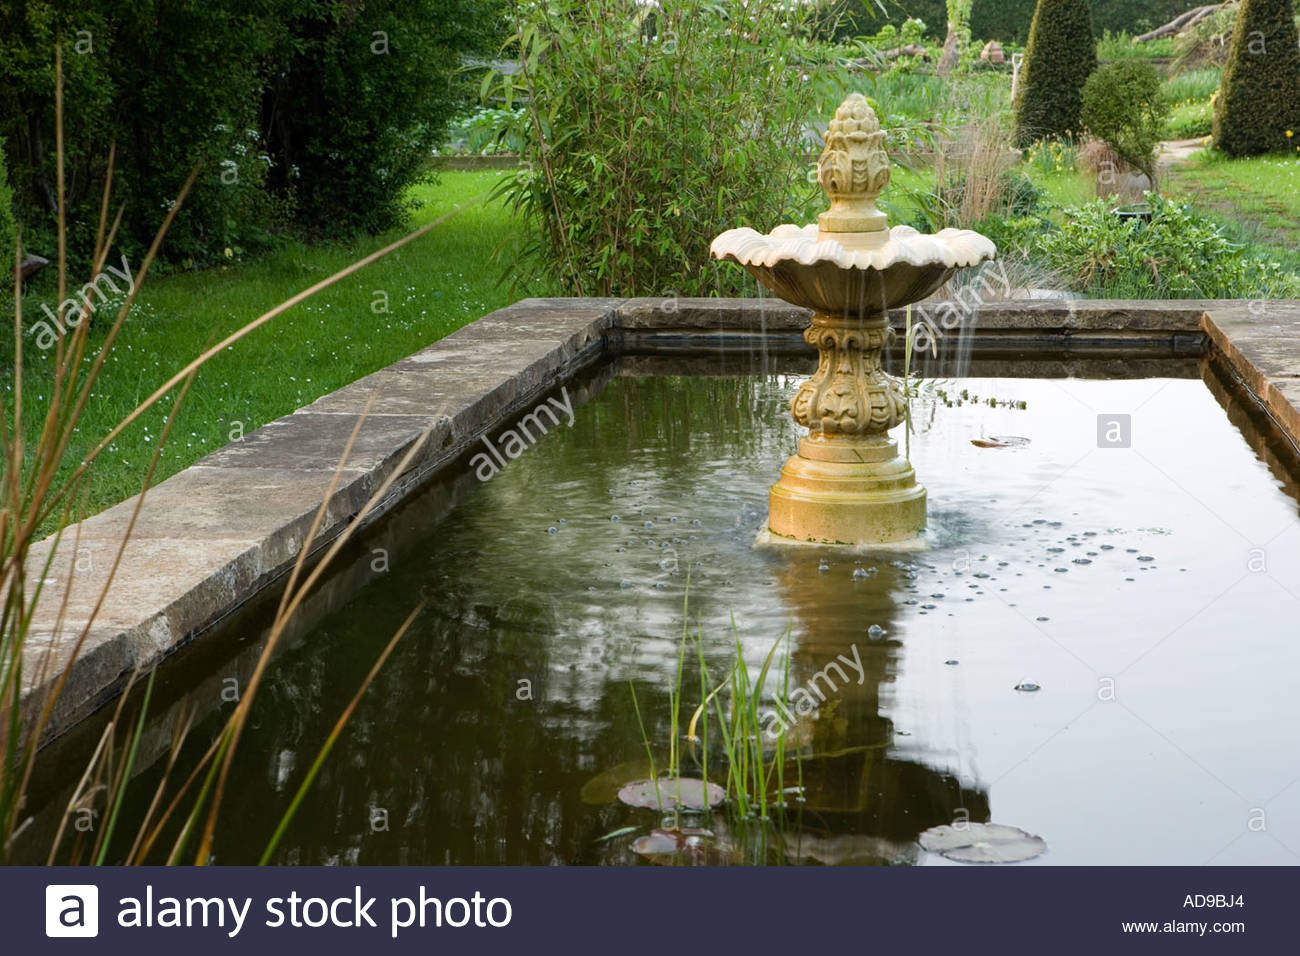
(1259, 95)
(1061, 54)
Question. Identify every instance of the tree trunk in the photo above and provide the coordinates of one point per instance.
(951, 52)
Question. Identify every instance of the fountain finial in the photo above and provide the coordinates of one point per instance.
(853, 169)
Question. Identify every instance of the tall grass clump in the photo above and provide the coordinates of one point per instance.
(647, 130)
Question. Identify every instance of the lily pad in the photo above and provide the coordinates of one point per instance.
(604, 787)
(983, 843)
(685, 847)
(1000, 441)
(668, 793)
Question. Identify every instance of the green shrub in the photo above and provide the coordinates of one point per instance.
(1124, 107)
(645, 140)
(8, 228)
(1015, 236)
(361, 95)
(1259, 98)
(141, 76)
(1058, 60)
(283, 102)
(1177, 255)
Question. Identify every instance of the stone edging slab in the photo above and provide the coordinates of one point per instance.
(212, 537)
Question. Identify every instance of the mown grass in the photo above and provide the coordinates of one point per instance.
(1259, 195)
(415, 296)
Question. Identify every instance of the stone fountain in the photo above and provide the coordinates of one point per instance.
(847, 484)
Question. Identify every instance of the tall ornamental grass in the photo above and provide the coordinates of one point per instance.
(650, 129)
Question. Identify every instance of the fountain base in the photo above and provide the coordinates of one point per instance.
(847, 491)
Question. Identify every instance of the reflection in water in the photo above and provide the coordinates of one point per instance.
(562, 580)
(865, 802)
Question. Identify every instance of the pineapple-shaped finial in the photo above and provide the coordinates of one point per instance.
(853, 169)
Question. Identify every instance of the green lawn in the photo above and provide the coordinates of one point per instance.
(1260, 194)
(430, 288)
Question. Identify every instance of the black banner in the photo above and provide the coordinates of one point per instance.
(646, 909)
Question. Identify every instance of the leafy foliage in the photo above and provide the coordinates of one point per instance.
(8, 228)
(1124, 107)
(649, 132)
(1206, 44)
(1259, 100)
(362, 95)
(1007, 20)
(294, 116)
(1179, 254)
(140, 76)
(1058, 60)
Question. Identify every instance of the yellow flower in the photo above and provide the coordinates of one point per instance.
(1290, 133)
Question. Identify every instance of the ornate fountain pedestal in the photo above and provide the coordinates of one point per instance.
(848, 484)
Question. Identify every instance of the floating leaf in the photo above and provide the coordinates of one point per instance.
(621, 831)
(685, 847)
(982, 843)
(603, 788)
(1000, 441)
(668, 793)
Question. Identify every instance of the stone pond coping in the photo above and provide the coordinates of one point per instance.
(211, 538)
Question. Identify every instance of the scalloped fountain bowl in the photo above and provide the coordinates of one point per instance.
(818, 271)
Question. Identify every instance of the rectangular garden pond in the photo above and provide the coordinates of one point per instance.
(1095, 645)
